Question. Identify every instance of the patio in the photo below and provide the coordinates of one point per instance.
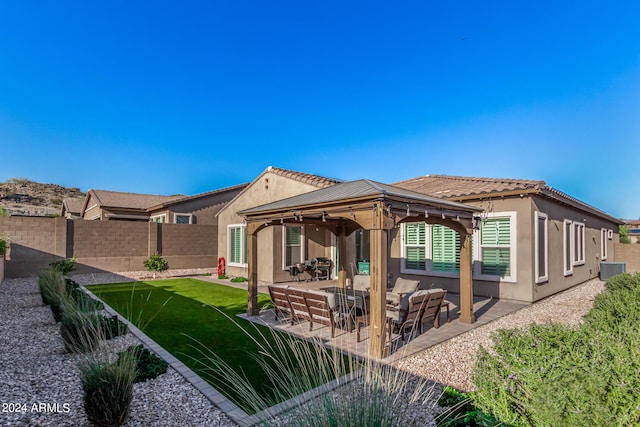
(485, 309)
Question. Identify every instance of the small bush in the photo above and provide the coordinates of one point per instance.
(149, 366)
(108, 390)
(3, 246)
(239, 279)
(113, 327)
(222, 276)
(64, 266)
(52, 291)
(156, 263)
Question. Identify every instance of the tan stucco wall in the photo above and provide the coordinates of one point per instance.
(269, 187)
(93, 210)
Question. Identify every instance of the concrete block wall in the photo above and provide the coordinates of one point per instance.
(104, 245)
(629, 253)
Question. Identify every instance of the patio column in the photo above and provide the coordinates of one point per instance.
(378, 296)
(252, 261)
(342, 256)
(466, 279)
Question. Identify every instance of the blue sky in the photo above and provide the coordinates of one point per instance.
(186, 97)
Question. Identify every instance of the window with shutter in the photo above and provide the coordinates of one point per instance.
(495, 247)
(445, 249)
(292, 245)
(414, 246)
(237, 247)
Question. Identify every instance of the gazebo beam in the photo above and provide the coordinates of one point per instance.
(378, 293)
(252, 253)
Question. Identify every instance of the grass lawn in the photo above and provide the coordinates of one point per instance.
(171, 311)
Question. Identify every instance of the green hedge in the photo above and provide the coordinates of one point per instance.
(551, 375)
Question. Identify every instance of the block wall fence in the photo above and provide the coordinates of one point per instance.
(112, 246)
(629, 253)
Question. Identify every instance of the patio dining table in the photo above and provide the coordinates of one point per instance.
(358, 300)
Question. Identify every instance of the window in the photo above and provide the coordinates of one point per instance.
(362, 245)
(183, 218)
(159, 218)
(293, 248)
(445, 249)
(578, 242)
(604, 236)
(541, 247)
(237, 246)
(414, 247)
(430, 249)
(568, 247)
(496, 247)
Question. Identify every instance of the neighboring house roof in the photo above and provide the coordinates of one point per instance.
(72, 206)
(462, 188)
(354, 190)
(196, 196)
(307, 178)
(129, 201)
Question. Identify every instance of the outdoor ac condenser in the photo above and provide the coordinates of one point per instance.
(609, 269)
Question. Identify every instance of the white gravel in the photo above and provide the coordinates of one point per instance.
(35, 369)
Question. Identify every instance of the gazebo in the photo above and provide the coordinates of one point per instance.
(346, 207)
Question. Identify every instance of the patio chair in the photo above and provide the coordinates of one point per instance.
(431, 310)
(322, 308)
(400, 289)
(361, 282)
(409, 312)
(297, 304)
(279, 299)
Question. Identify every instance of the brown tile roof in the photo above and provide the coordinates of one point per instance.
(117, 199)
(315, 180)
(462, 187)
(73, 206)
(198, 196)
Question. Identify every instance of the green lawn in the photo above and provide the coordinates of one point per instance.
(171, 311)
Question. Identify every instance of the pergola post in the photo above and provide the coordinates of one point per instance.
(252, 261)
(342, 256)
(466, 279)
(378, 293)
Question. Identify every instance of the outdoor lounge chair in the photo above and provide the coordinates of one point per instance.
(431, 310)
(279, 299)
(361, 282)
(408, 314)
(298, 306)
(400, 289)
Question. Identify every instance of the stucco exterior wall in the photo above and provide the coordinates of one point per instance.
(267, 188)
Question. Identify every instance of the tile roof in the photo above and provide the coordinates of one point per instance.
(73, 206)
(130, 200)
(182, 199)
(315, 180)
(446, 187)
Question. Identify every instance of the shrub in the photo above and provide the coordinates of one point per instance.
(64, 266)
(3, 246)
(556, 375)
(462, 412)
(148, 365)
(156, 263)
(108, 390)
(80, 330)
(239, 279)
(113, 327)
(52, 291)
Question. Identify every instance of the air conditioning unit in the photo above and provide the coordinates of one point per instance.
(610, 234)
(610, 269)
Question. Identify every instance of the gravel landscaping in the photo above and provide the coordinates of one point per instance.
(35, 369)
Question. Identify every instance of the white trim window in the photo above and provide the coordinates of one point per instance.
(162, 218)
(578, 242)
(568, 246)
(237, 245)
(445, 250)
(496, 248)
(541, 236)
(604, 250)
(414, 247)
(292, 245)
(179, 218)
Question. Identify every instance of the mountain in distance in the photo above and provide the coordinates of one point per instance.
(21, 196)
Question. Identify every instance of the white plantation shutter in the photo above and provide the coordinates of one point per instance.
(237, 245)
(293, 245)
(415, 240)
(445, 249)
(495, 242)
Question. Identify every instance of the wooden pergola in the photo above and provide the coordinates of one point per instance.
(346, 207)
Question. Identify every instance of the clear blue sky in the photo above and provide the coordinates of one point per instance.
(186, 97)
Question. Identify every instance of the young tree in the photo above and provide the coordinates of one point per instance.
(156, 263)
